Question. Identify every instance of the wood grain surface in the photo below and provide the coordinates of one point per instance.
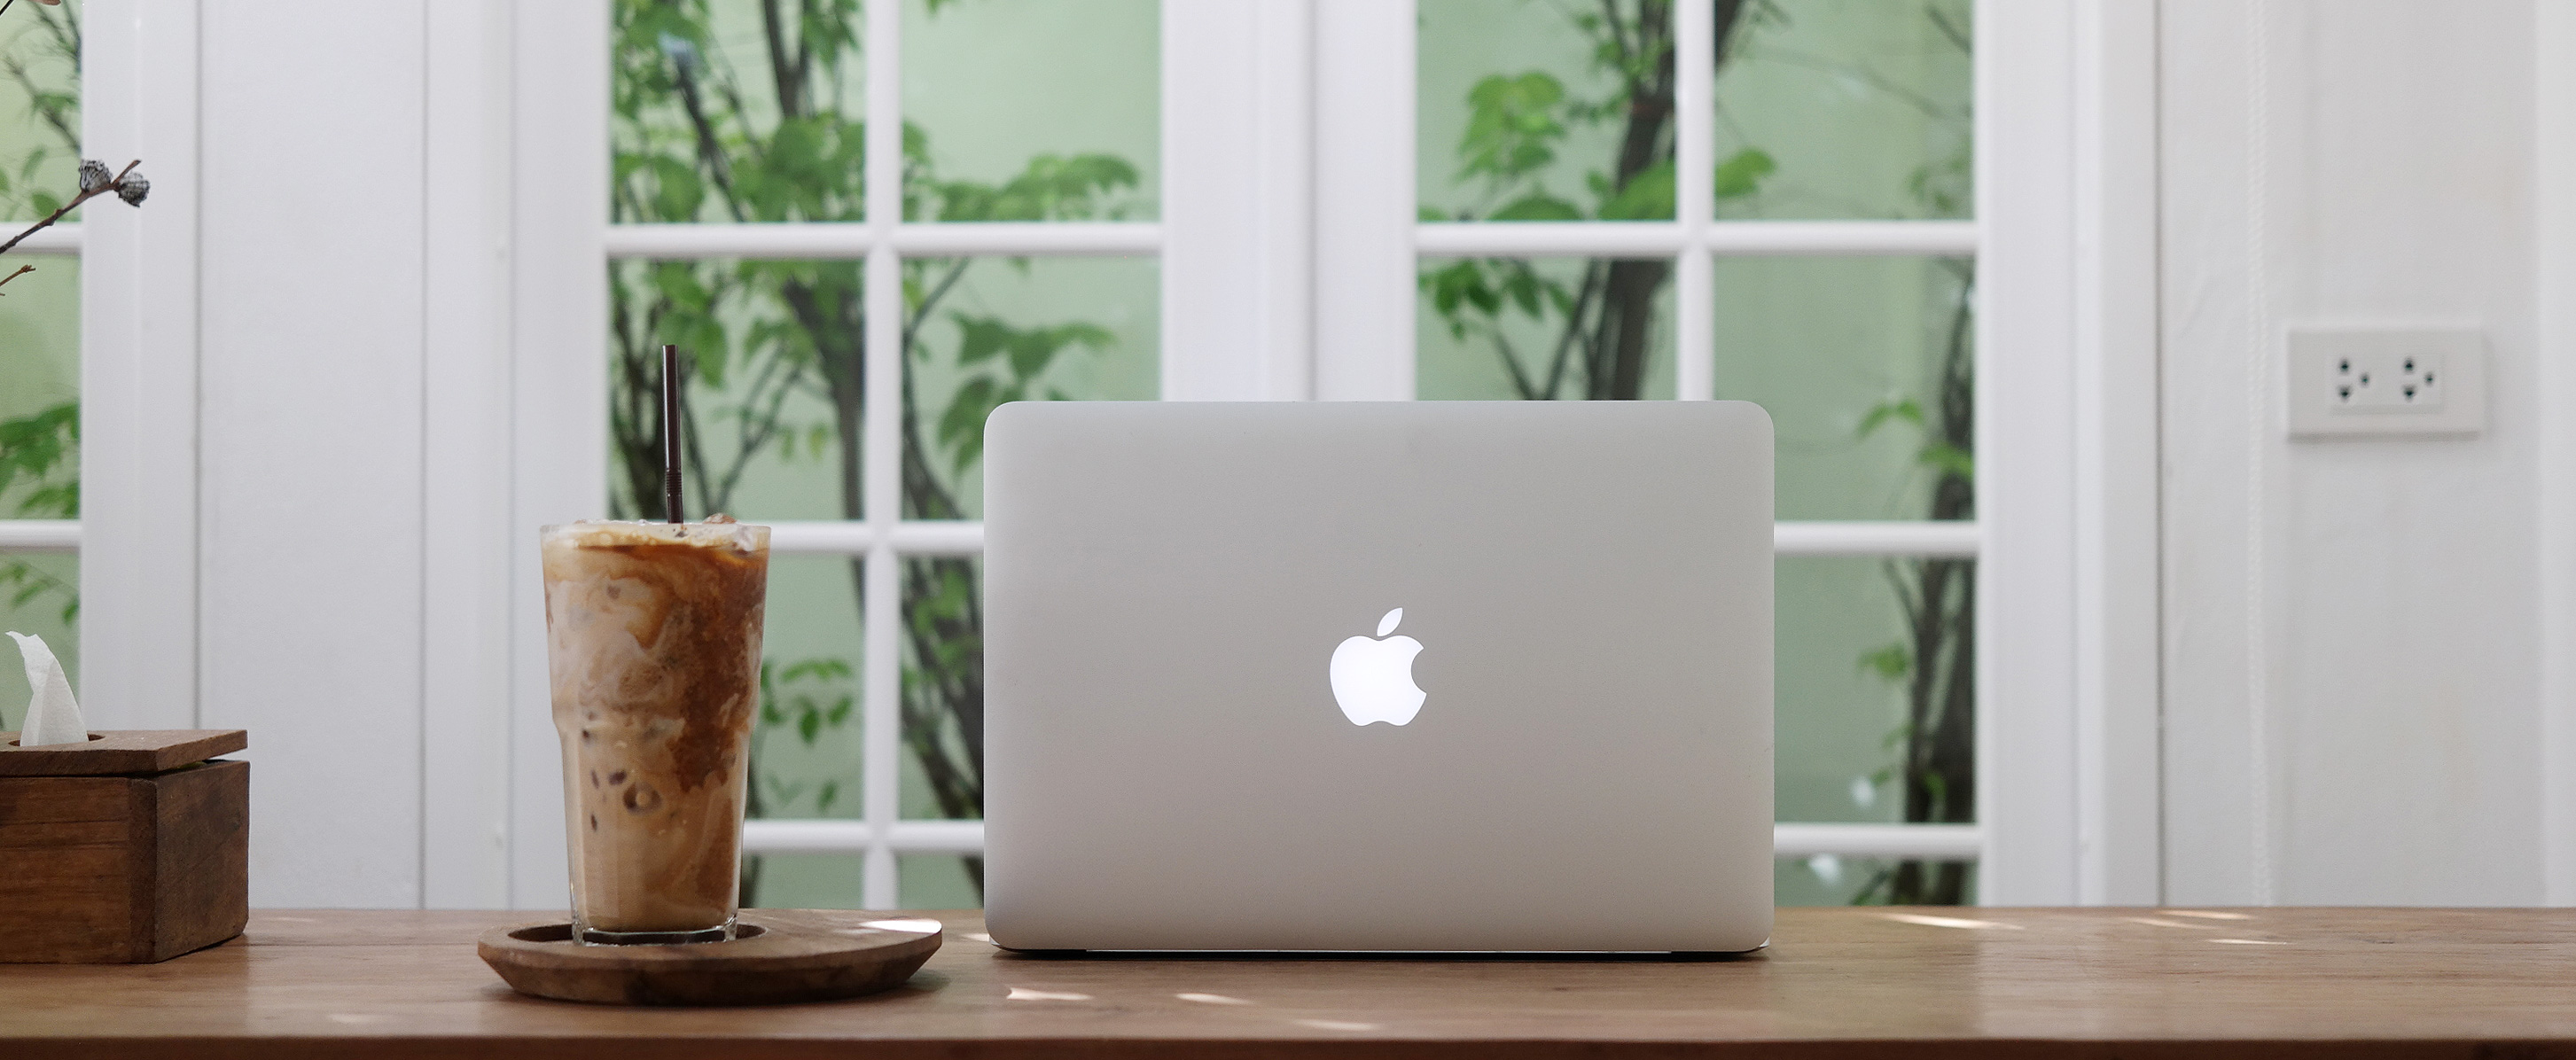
(98, 869)
(782, 955)
(126, 751)
(1835, 983)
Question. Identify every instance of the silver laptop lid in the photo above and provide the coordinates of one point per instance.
(1198, 733)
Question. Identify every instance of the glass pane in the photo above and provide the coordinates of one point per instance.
(1866, 730)
(1830, 879)
(39, 594)
(939, 881)
(1866, 367)
(802, 881)
(805, 753)
(40, 117)
(1502, 329)
(774, 386)
(990, 330)
(39, 337)
(1844, 109)
(706, 128)
(1531, 110)
(1031, 110)
(943, 688)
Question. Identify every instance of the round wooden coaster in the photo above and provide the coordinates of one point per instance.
(782, 955)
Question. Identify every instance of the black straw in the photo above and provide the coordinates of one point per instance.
(671, 433)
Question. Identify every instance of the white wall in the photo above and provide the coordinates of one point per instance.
(311, 353)
(2350, 652)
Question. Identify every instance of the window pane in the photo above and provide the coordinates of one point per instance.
(39, 594)
(1865, 366)
(1031, 110)
(943, 721)
(991, 330)
(1540, 111)
(806, 760)
(1876, 693)
(775, 376)
(1499, 329)
(39, 337)
(1830, 879)
(40, 118)
(706, 129)
(805, 749)
(943, 688)
(939, 881)
(1844, 109)
(802, 881)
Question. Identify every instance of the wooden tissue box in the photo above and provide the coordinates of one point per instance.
(130, 849)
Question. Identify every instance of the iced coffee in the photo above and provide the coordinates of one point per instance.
(653, 640)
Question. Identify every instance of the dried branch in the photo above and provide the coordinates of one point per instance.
(117, 185)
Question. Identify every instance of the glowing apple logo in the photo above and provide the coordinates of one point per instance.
(1373, 679)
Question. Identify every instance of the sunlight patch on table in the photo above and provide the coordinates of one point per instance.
(1949, 922)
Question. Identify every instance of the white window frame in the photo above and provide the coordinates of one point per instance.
(1253, 213)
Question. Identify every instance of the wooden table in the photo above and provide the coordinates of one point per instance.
(1836, 982)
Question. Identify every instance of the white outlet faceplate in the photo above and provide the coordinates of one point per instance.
(2354, 381)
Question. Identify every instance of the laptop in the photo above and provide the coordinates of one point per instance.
(1413, 676)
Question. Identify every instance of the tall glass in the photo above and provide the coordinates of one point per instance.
(653, 640)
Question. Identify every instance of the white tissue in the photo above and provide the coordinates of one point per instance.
(52, 715)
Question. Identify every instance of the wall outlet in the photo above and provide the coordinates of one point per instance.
(2384, 382)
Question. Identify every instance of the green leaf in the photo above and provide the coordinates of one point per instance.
(1648, 197)
(1513, 126)
(1903, 409)
(979, 338)
(1948, 459)
(965, 415)
(1742, 174)
(1890, 663)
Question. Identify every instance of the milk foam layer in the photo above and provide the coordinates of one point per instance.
(653, 639)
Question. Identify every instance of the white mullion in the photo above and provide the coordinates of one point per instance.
(839, 836)
(1695, 336)
(1953, 842)
(58, 241)
(40, 535)
(1648, 239)
(943, 537)
(1052, 238)
(844, 241)
(1958, 842)
(1931, 540)
(1618, 239)
(1694, 198)
(881, 716)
